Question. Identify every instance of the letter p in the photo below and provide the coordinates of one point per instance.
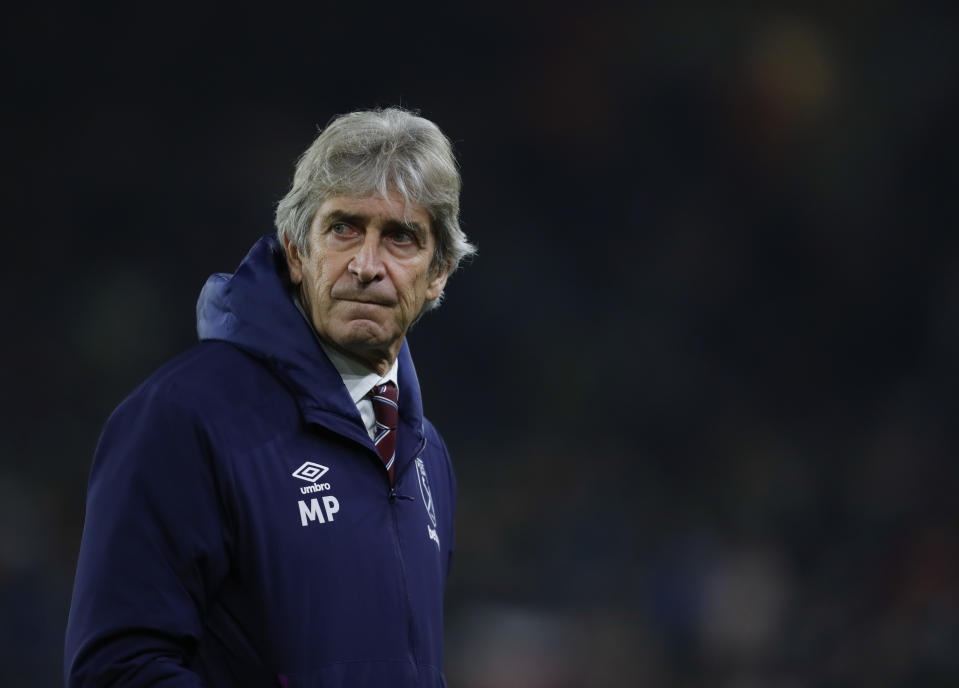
(331, 506)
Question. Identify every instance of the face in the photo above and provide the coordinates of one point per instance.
(367, 274)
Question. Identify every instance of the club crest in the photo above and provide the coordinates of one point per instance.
(425, 490)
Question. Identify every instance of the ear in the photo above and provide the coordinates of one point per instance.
(293, 260)
(437, 282)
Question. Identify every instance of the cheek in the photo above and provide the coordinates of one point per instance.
(313, 283)
(417, 293)
(320, 271)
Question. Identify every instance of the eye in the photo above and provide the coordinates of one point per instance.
(341, 229)
(403, 236)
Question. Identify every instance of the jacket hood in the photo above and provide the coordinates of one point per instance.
(254, 310)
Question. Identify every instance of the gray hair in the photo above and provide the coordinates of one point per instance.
(374, 152)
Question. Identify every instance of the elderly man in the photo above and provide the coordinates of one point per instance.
(271, 508)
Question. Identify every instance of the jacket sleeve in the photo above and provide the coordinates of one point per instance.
(154, 549)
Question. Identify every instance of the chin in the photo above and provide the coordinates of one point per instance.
(364, 334)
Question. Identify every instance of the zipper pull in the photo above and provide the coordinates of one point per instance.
(394, 495)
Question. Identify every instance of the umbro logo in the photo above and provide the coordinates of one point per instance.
(310, 472)
(313, 512)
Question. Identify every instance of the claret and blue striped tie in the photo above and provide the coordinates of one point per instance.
(387, 419)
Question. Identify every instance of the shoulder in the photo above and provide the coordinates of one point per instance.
(210, 382)
(203, 367)
(195, 411)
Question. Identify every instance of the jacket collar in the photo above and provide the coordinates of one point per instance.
(254, 309)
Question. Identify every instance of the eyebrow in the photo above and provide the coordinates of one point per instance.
(361, 219)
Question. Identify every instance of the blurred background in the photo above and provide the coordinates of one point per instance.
(711, 333)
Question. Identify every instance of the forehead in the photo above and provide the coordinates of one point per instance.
(392, 209)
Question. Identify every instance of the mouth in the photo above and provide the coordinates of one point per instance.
(367, 302)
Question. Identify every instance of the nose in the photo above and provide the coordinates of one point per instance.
(366, 264)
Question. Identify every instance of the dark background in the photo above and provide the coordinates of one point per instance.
(699, 385)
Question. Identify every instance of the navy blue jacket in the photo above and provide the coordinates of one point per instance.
(240, 527)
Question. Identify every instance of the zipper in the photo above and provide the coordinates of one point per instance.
(393, 495)
(411, 624)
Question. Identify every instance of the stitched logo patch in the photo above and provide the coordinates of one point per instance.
(425, 490)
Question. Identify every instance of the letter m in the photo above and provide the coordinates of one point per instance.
(313, 512)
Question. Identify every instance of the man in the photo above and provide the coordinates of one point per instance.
(271, 508)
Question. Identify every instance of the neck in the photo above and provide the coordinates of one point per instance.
(377, 361)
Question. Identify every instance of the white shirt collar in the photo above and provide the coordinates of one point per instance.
(359, 379)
